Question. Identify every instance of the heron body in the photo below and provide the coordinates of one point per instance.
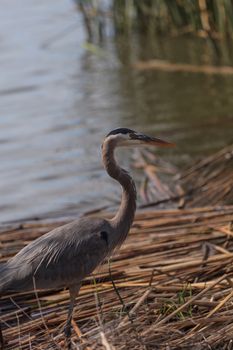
(60, 258)
(66, 255)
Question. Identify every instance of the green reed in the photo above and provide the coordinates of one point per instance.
(200, 17)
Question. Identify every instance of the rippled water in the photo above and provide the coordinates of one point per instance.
(58, 99)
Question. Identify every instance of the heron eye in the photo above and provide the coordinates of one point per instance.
(104, 236)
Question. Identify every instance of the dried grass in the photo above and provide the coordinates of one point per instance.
(208, 182)
(174, 275)
(179, 67)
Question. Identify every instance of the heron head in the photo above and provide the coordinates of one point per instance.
(128, 137)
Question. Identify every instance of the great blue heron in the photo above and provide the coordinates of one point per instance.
(66, 255)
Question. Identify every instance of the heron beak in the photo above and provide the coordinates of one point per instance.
(153, 141)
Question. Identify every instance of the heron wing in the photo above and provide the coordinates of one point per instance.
(61, 257)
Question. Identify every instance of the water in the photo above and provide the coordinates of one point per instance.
(58, 99)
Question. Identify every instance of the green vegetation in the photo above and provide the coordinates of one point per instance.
(205, 18)
(201, 17)
(171, 305)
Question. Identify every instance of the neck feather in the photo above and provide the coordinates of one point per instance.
(125, 215)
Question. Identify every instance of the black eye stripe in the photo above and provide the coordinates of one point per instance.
(123, 131)
(135, 136)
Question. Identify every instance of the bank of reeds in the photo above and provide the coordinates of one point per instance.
(208, 182)
(205, 18)
(173, 277)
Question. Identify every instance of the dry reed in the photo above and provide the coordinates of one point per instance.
(207, 182)
(174, 275)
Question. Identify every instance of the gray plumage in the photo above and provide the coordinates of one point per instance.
(59, 258)
(67, 254)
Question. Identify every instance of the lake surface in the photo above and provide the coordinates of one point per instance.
(59, 98)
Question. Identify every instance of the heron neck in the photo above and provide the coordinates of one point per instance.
(125, 214)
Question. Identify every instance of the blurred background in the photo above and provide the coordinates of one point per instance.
(71, 71)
